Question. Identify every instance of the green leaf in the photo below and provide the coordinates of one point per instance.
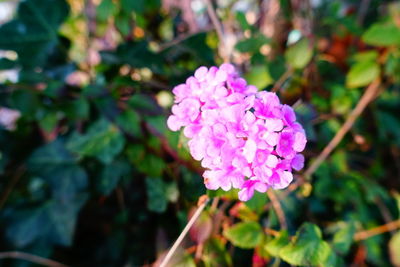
(259, 77)
(299, 55)
(53, 221)
(76, 109)
(257, 202)
(128, 6)
(215, 253)
(371, 55)
(394, 245)
(102, 140)
(129, 121)
(382, 34)
(58, 167)
(156, 195)
(245, 235)
(110, 176)
(343, 238)
(308, 248)
(253, 44)
(362, 74)
(33, 33)
(274, 246)
(105, 10)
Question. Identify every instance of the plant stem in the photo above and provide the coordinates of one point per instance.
(377, 230)
(367, 97)
(178, 241)
(278, 209)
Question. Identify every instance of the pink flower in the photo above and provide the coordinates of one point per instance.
(244, 138)
(248, 188)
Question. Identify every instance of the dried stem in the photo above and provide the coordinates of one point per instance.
(178, 241)
(278, 209)
(367, 97)
(377, 230)
(30, 257)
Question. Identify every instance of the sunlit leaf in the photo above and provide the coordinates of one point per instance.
(245, 234)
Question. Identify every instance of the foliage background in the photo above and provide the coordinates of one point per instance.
(90, 176)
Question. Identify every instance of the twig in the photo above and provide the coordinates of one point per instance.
(367, 97)
(178, 241)
(31, 258)
(377, 230)
(282, 79)
(14, 180)
(218, 27)
(180, 39)
(272, 232)
(278, 209)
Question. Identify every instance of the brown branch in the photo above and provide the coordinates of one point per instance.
(367, 97)
(377, 230)
(30, 257)
(278, 209)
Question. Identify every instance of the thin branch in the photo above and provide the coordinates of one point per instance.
(178, 241)
(377, 230)
(384, 211)
(181, 39)
(370, 93)
(272, 232)
(278, 209)
(218, 27)
(367, 97)
(30, 257)
(282, 80)
(14, 180)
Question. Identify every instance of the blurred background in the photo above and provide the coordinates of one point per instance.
(91, 176)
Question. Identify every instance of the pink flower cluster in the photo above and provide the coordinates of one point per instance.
(244, 138)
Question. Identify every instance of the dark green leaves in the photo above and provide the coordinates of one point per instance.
(245, 234)
(156, 194)
(60, 170)
(34, 32)
(111, 175)
(53, 221)
(102, 140)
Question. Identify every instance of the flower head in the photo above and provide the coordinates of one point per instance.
(244, 138)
